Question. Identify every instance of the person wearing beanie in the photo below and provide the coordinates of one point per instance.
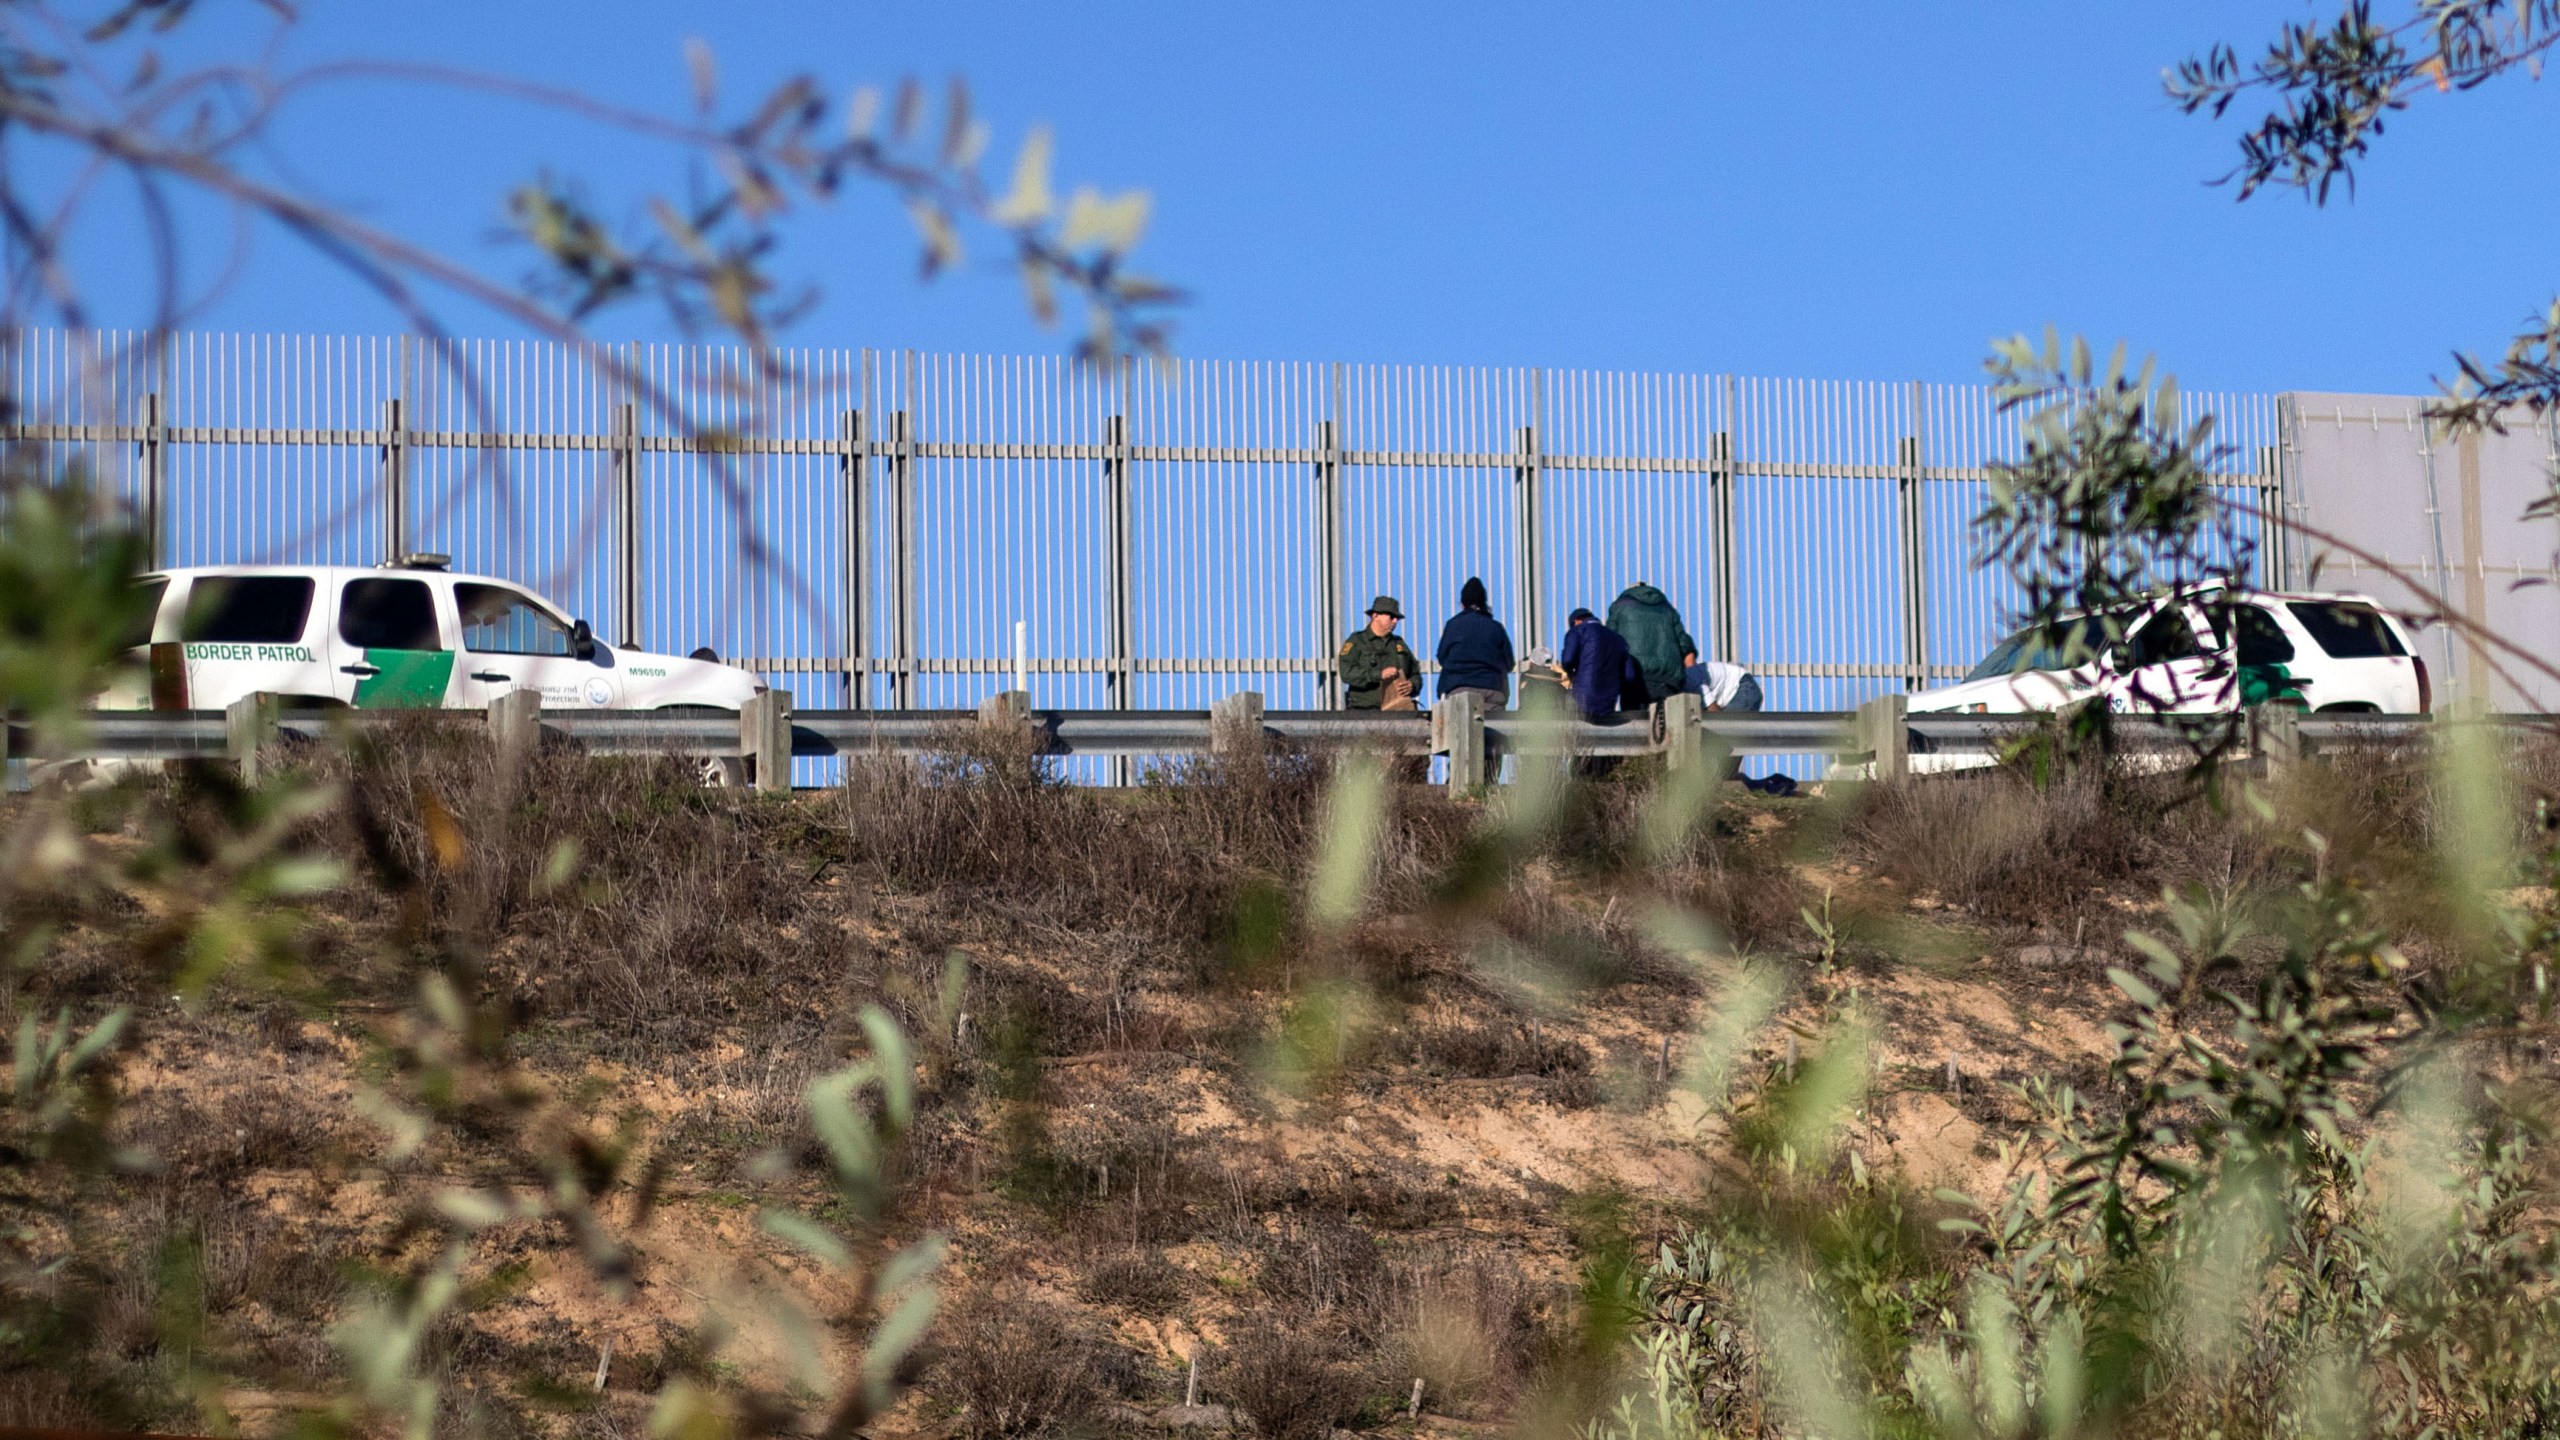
(1475, 651)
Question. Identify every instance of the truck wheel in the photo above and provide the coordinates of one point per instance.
(717, 772)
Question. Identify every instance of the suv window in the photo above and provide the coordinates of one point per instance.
(2262, 640)
(2168, 637)
(2348, 632)
(384, 614)
(247, 609)
(147, 596)
(499, 621)
(2078, 641)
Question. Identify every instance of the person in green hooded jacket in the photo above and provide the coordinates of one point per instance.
(1656, 639)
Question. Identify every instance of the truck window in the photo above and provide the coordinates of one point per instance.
(385, 614)
(247, 609)
(500, 621)
(2346, 631)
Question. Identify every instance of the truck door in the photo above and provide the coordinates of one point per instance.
(511, 642)
(390, 652)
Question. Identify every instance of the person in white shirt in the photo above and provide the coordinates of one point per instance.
(1724, 686)
(1728, 687)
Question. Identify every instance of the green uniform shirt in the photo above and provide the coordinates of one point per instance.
(1363, 656)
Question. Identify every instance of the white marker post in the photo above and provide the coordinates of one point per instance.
(1022, 657)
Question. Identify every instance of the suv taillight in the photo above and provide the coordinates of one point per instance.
(2426, 692)
(168, 660)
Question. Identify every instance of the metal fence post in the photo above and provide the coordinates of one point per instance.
(1329, 568)
(155, 481)
(1461, 726)
(1124, 614)
(1525, 539)
(852, 483)
(249, 726)
(2286, 507)
(1915, 559)
(902, 476)
(626, 519)
(764, 732)
(395, 479)
(1724, 477)
(2453, 680)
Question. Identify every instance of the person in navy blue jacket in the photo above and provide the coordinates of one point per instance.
(1475, 651)
(1595, 664)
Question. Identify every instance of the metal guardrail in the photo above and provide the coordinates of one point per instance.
(1879, 737)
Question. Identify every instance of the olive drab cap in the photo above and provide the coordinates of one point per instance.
(1386, 605)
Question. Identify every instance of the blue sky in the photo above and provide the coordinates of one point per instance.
(1843, 190)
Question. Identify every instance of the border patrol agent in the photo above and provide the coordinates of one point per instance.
(1376, 665)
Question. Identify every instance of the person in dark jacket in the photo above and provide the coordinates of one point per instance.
(1475, 651)
(1644, 617)
(1595, 663)
(1377, 668)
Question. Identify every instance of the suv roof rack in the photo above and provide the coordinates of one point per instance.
(418, 560)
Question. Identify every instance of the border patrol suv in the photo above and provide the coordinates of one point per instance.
(405, 635)
(2208, 650)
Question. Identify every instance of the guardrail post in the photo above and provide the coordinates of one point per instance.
(1004, 708)
(248, 726)
(1235, 725)
(764, 732)
(2275, 737)
(1678, 727)
(1880, 731)
(515, 724)
(1460, 721)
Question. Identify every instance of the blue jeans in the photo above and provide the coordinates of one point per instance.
(1745, 701)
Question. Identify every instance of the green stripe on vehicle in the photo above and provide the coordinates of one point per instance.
(407, 679)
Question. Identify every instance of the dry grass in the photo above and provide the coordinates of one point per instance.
(1142, 1282)
(2016, 853)
(1015, 1369)
(1466, 1330)
(1293, 1380)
